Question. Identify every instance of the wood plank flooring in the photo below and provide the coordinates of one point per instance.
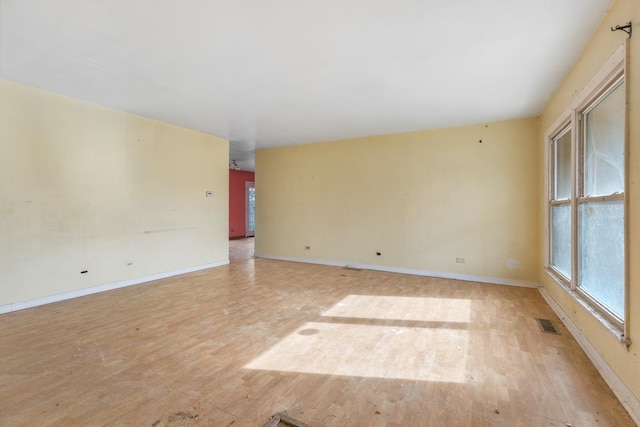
(233, 345)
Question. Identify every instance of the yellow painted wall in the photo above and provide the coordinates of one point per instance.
(422, 199)
(604, 42)
(83, 187)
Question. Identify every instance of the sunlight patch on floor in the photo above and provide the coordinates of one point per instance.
(376, 351)
(402, 308)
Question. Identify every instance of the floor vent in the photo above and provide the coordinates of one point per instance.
(283, 420)
(547, 327)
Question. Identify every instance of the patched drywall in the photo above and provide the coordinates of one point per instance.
(85, 188)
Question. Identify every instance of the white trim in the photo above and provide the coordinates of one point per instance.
(622, 392)
(21, 305)
(603, 78)
(414, 272)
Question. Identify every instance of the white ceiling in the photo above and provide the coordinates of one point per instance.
(267, 73)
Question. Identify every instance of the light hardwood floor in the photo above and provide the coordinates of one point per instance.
(233, 345)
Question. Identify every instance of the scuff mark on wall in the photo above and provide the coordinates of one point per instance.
(164, 230)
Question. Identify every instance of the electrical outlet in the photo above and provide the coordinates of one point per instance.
(129, 264)
(460, 260)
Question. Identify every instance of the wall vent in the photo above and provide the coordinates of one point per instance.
(547, 327)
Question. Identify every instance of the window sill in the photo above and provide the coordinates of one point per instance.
(607, 323)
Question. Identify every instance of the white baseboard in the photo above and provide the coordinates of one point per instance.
(21, 305)
(622, 392)
(464, 277)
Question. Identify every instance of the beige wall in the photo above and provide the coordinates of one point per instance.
(421, 198)
(84, 187)
(624, 362)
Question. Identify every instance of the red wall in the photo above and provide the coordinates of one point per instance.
(237, 201)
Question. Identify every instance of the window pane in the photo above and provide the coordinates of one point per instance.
(601, 253)
(563, 166)
(561, 238)
(604, 145)
(252, 209)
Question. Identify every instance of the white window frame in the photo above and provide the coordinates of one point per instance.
(565, 126)
(602, 84)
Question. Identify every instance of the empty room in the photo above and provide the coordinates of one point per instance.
(337, 213)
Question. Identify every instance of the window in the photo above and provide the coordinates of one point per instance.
(601, 201)
(587, 207)
(561, 204)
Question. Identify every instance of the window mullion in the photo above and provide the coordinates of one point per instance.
(627, 72)
(575, 152)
